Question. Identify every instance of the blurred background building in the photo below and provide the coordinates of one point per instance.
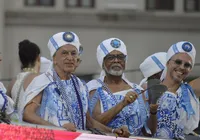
(146, 27)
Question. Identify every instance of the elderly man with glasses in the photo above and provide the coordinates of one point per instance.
(114, 100)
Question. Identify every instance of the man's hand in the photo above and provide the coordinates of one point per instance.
(70, 127)
(129, 98)
(124, 132)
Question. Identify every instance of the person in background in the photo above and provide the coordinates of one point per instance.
(29, 55)
(152, 67)
(45, 64)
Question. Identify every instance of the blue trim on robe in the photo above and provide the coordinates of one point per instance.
(169, 110)
(130, 116)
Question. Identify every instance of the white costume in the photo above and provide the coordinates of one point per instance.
(17, 94)
(178, 114)
(63, 101)
(134, 119)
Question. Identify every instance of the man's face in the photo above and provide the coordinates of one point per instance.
(114, 63)
(179, 66)
(156, 76)
(65, 59)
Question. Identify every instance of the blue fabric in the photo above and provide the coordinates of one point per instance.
(103, 48)
(158, 63)
(3, 108)
(133, 116)
(175, 49)
(169, 111)
(186, 104)
(144, 108)
(54, 43)
(63, 102)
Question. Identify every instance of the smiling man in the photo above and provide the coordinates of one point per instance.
(178, 111)
(114, 101)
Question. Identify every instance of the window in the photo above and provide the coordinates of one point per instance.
(191, 5)
(39, 2)
(80, 3)
(152, 5)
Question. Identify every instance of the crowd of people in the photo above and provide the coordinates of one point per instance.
(49, 93)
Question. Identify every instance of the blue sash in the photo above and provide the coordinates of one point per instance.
(186, 104)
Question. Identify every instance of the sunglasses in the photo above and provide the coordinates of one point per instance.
(180, 62)
(112, 57)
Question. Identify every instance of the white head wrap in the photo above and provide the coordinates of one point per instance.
(108, 46)
(63, 38)
(180, 47)
(44, 64)
(153, 64)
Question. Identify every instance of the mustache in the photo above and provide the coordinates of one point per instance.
(116, 65)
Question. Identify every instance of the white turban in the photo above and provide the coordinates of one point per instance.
(180, 47)
(44, 64)
(153, 64)
(63, 38)
(108, 46)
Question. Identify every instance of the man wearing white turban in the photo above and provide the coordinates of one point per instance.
(114, 101)
(178, 111)
(58, 97)
(152, 67)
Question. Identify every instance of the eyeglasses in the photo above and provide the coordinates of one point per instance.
(73, 54)
(112, 57)
(180, 62)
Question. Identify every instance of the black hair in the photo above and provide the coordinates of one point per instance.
(28, 53)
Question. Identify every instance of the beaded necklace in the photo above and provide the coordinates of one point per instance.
(112, 96)
(62, 92)
(32, 70)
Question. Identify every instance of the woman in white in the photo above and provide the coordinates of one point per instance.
(29, 54)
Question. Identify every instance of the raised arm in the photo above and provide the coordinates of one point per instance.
(107, 116)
